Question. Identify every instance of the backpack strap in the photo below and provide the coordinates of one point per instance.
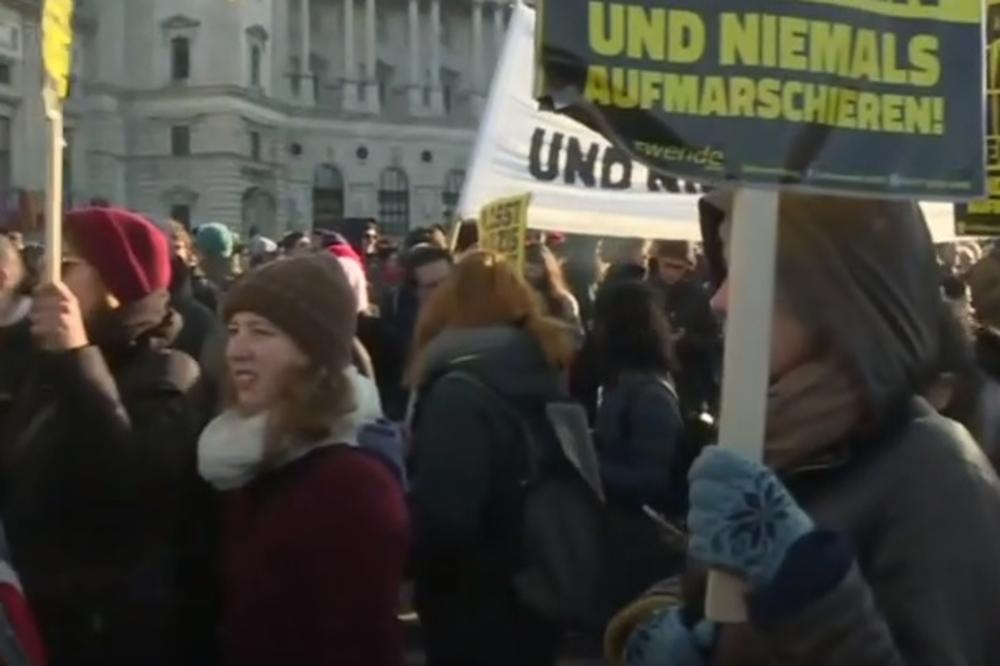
(533, 455)
(561, 417)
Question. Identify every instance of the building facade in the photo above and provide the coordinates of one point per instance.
(268, 113)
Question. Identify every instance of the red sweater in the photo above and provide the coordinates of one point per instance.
(313, 558)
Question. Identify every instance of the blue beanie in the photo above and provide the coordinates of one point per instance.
(215, 240)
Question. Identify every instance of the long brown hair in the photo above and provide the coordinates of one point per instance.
(311, 401)
(484, 290)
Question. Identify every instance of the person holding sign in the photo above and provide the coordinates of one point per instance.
(870, 538)
(97, 454)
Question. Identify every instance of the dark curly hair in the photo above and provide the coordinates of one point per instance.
(631, 329)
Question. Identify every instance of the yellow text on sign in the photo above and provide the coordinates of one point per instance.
(502, 227)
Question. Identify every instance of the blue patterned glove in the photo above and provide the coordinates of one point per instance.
(663, 640)
(742, 519)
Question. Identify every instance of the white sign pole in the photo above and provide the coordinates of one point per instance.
(746, 367)
(54, 188)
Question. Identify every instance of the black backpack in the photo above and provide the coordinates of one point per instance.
(563, 519)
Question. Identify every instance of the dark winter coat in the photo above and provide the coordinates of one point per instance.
(393, 338)
(206, 292)
(199, 324)
(468, 457)
(919, 506)
(314, 554)
(99, 491)
(638, 435)
(699, 350)
(15, 364)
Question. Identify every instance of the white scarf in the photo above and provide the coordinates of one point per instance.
(18, 310)
(232, 447)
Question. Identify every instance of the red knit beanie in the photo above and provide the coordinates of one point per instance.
(130, 254)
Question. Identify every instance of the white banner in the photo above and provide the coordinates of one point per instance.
(578, 181)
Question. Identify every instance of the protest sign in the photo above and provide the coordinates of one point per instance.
(579, 182)
(982, 218)
(502, 227)
(854, 96)
(57, 43)
(861, 96)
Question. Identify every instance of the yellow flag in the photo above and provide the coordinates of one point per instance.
(57, 43)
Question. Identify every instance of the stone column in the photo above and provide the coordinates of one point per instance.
(415, 92)
(350, 63)
(478, 87)
(305, 74)
(371, 62)
(437, 97)
(498, 28)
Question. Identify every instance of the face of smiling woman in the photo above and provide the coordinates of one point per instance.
(259, 356)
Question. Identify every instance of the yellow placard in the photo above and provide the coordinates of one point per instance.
(503, 225)
(57, 44)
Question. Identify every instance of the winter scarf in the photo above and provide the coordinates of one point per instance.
(231, 449)
(456, 344)
(808, 410)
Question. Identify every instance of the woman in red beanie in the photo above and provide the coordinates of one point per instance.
(315, 528)
(97, 457)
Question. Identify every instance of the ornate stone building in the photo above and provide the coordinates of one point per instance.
(272, 113)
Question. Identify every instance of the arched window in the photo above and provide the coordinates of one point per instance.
(328, 197)
(453, 182)
(180, 59)
(394, 201)
(260, 211)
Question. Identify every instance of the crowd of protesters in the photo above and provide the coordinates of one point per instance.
(236, 451)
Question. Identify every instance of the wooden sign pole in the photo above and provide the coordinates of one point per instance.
(746, 366)
(54, 188)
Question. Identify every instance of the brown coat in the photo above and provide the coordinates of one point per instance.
(922, 510)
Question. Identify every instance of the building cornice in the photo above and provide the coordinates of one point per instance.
(200, 101)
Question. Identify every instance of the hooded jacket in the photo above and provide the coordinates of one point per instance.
(467, 453)
(909, 577)
(98, 468)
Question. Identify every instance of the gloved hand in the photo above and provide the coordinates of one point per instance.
(742, 519)
(663, 639)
